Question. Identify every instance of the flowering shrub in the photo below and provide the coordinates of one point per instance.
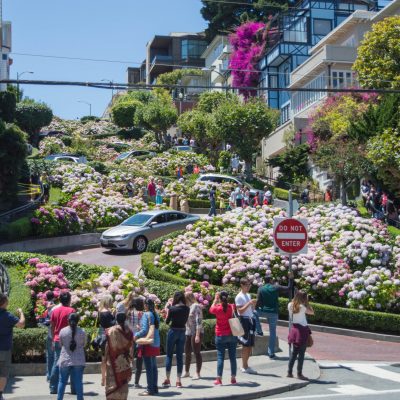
(43, 277)
(203, 292)
(248, 43)
(49, 221)
(51, 145)
(118, 283)
(342, 248)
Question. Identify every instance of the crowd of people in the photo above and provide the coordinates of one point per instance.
(129, 337)
(380, 204)
(239, 197)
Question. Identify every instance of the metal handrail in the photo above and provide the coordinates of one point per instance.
(4, 280)
(26, 207)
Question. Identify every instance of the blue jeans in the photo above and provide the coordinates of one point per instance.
(256, 318)
(272, 321)
(150, 364)
(222, 343)
(175, 337)
(49, 357)
(76, 374)
(213, 208)
(55, 371)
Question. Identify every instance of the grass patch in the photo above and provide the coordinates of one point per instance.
(55, 195)
(18, 229)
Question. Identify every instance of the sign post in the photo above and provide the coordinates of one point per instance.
(290, 238)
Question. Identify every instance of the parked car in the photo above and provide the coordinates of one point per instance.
(64, 157)
(233, 180)
(185, 148)
(44, 134)
(135, 154)
(136, 232)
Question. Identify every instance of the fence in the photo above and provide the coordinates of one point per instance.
(4, 280)
(18, 212)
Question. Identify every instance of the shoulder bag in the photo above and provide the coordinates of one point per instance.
(148, 339)
(236, 325)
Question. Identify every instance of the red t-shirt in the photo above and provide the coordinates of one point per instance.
(222, 327)
(151, 189)
(59, 320)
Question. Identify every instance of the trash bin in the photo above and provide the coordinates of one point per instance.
(173, 201)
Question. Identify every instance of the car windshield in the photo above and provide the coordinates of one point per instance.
(123, 155)
(137, 220)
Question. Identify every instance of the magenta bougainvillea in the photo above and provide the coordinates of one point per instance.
(248, 44)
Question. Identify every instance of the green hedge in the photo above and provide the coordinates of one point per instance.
(30, 344)
(372, 321)
(198, 203)
(74, 271)
(20, 296)
(157, 274)
(155, 245)
(17, 229)
(284, 194)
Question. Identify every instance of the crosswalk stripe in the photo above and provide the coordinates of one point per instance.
(352, 390)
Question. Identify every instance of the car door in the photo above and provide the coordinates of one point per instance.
(159, 226)
(176, 221)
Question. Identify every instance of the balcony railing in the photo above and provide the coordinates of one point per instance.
(160, 59)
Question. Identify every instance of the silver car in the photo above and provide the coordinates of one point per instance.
(136, 232)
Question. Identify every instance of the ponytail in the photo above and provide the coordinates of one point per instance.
(73, 320)
(223, 296)
(150, 305)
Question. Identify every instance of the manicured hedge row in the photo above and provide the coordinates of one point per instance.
(75, 272)
(198, 203)
(156, 244)
(30, 344)
(284, 194)
(371, 321)
(17, 229)
(155, 273)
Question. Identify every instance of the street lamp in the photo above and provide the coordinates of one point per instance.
(180, 96)
(18, 76)
(90, 106)
(111, 85)
(213, 69)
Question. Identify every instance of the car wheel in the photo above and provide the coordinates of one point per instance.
(140, 244)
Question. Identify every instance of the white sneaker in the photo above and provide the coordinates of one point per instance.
(248, 371)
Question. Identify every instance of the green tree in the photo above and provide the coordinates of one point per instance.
(244, 125)
(383, 151)
(223, 17)
(123, 112)
(13, 150)
(378, 59)
(293, 164)
(31, 116)
(8, 104)
(158, 115)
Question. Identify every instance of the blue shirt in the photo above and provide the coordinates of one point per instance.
(7, 323)
(146, 321)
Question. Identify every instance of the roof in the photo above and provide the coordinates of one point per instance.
(388, 11)
(157, 212)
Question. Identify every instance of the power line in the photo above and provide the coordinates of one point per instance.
(114, 85)
(165, 65)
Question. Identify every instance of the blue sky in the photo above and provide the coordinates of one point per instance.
(99, 29)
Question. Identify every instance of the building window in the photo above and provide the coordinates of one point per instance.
(273, 81)
(192, 48)
(342, 79)
(286, 76)
(322, 26)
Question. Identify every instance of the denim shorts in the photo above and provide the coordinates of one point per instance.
(5, 363)
(247, 340)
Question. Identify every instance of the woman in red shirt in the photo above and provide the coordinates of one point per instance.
(223, 335)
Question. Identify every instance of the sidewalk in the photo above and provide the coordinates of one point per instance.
(270, 380)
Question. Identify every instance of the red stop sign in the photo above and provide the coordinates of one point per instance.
(290, 235)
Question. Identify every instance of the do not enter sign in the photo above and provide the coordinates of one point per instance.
(290, 235)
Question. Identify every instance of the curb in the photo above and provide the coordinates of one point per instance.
(382, 337)
(54, 243)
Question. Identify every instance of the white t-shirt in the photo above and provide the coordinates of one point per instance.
(240, 300)
(300, 317)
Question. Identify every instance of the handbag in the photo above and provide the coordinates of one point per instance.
(310, 341)
(236, 326)
(148, 339)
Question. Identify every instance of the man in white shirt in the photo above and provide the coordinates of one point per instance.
(245, 307)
